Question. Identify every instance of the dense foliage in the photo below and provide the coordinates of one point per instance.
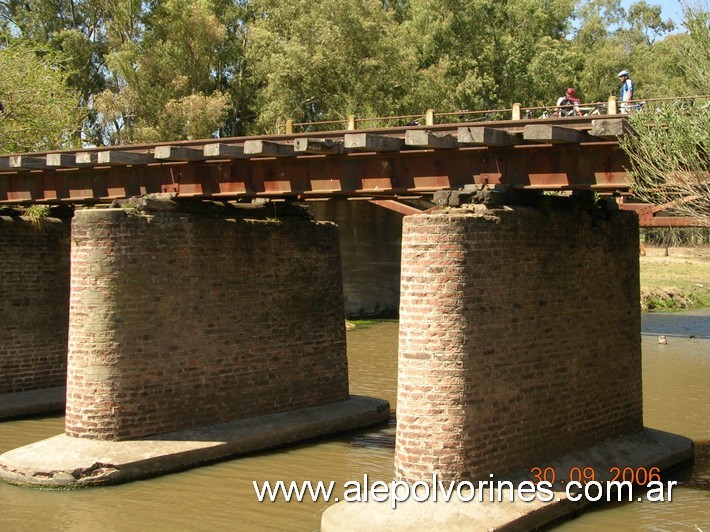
(40, 106)
(670, 153)
(150, 70)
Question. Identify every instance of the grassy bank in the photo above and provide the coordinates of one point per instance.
(677, 281)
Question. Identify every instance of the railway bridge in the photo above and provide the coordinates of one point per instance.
(387, 166)
(214, 300)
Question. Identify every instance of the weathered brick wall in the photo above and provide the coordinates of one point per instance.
(34, 303)
(182, 320)
(519, 339)
(370, 247)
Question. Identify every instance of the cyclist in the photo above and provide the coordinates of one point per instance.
(567, 105)
(626, 92)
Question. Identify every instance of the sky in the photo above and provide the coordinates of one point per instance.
(670, 9)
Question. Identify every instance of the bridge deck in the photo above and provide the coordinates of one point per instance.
(574, 153)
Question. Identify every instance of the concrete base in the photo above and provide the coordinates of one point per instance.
(46, 400)
(648, 448)
(64, 462)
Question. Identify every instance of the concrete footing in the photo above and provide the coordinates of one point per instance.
(646, 449)
(65, 462)
(44, 401)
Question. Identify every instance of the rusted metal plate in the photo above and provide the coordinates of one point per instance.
(648, 216)
(554, 167)
(396, 206)
(672, 221)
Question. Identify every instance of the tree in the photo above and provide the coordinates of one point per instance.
(645, 20)
(488, 54)
(610, 39)
(75, 29)
(163, 78)
(41, 110)
(693, 54)
(670, 154)
(315, 60)
(174, 69)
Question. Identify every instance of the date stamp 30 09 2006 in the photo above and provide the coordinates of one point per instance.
(640, 476)
(617, 483)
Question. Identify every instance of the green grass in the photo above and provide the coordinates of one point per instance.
(36, 213)
(362, 323)
(679, 281)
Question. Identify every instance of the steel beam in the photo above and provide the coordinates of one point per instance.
(396, 206)
(598, 166)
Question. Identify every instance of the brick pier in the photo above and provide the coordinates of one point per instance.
(179, 320)
(34, 303)
(519, 338)
(196, 332)
(519, 347)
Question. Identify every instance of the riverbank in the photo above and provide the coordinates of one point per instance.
(676, 281)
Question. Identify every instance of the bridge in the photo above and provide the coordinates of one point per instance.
(387, 166)
(186, 334)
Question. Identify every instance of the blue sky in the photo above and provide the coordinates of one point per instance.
(670, 9)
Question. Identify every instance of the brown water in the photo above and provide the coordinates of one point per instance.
(221, 496)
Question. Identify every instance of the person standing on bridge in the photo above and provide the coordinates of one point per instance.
(626, 93)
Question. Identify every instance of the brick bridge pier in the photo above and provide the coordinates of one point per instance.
(519, 348)
(219, 326)
(34, 290)
(519, 343)
(532, 343)
(179, 320)
(34, 313)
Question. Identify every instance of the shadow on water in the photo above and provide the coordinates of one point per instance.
(696, 475)
(380, 439)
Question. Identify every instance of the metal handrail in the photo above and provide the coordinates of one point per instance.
(430, 116)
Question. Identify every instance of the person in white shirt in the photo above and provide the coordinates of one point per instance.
(626, 92)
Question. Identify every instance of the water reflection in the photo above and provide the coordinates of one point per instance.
(221, 496)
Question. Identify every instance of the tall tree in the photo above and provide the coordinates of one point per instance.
(163, 79)
(646, 23)
(232, 73)
(670, 154)
(149, 70)
(73, 28)
(322, 60)
(492, 53)
(608, 39)
(41, 111)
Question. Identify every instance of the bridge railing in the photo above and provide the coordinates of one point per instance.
(429, 118)
(610, 107)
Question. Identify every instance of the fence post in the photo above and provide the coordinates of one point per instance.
(289, 127)
(351, 122)
(517, 108)
(611, 106)
(429, 117)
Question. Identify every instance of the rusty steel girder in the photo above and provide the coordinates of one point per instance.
(650, 216)
(593, 166)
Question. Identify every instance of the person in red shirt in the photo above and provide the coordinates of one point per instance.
(567, 105)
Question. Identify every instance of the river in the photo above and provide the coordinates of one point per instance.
(222, 497)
